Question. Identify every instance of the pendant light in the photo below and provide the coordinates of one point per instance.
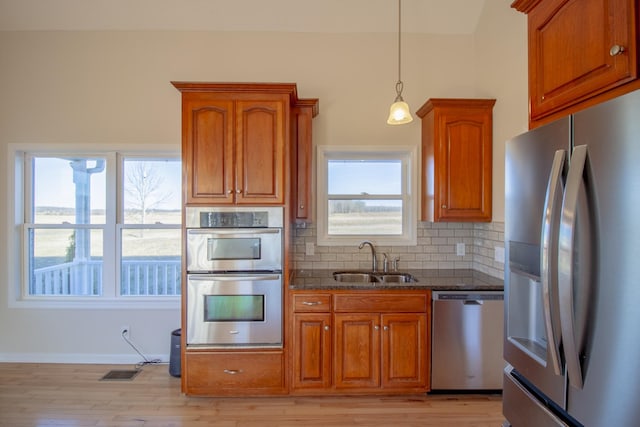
(399, 113)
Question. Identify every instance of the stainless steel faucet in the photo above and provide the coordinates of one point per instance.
(374, 261)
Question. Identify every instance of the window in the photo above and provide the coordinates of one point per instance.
(98, 226)
(366, 193)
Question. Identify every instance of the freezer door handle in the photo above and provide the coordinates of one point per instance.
(566, 244)
(548, 265)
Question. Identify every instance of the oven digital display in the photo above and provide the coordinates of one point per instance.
(230, 248)
(234, 308)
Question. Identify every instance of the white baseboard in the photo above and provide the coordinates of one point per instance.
(101, 359)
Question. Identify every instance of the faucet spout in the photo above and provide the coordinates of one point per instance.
(374, 261)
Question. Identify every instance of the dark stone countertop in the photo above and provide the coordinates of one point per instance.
(462, 280)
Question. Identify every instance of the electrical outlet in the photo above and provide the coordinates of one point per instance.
(498, 254)
(125, 331)
(309, 249)
(460, 249)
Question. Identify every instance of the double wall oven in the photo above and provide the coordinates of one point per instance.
(234, 276)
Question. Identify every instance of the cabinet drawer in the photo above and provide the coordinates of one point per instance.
(233, 372)
(312, 302)
(380, 302)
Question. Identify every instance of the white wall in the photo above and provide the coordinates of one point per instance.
(113, 87)
(501, 72)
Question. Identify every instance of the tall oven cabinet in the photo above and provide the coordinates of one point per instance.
(238, 144)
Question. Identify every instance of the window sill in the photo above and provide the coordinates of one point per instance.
(124, 303)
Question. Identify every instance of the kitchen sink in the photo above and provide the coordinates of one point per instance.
(396, 278)
(372, 277)
(346, 276)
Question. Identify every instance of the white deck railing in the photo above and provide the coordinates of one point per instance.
(84, 278)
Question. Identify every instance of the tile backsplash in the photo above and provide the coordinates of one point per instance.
(436, 248)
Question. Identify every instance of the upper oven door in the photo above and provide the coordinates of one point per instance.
(244, 249)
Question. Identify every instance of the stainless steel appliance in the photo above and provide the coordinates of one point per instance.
(234, 239)
(234, 276)
(466, 340)
(572, 280)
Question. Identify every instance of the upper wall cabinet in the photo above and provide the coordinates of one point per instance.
(456, 159)
(301, 158)
(581, 52)
(236, 140)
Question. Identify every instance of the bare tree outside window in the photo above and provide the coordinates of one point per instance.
(145, 188)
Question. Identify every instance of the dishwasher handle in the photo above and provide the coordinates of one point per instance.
(469, 298)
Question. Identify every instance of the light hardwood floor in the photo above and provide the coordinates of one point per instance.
(73, 395)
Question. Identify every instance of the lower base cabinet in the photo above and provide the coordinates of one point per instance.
(234, 373)
(361, 342)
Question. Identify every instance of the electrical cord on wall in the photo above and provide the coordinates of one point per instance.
(145, 360)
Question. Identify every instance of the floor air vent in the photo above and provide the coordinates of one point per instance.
(120, 375)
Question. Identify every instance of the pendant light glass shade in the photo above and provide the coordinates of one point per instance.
(399, 112)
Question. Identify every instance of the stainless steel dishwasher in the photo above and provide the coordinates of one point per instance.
(466, 340)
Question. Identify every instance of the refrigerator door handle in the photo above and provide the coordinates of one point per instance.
(548, 265)
(566, 244)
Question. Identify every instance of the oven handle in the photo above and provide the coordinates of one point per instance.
(232, 277)
(210, 231)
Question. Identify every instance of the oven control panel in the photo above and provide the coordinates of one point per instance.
(234, 219)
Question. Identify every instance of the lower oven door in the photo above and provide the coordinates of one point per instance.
(234, 309)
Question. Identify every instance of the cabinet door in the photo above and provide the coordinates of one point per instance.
(312, 351)
(573, 54)
(207, 147)
(261, 132)
(301, 163)
(463, 165)
(357, 350)
(404, 351)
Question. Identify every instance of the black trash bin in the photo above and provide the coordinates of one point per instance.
(174, 356)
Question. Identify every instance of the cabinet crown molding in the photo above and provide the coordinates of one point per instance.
(247, 87)
(525, 6)
(453, 102)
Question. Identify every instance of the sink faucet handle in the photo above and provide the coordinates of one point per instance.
(385, 262)
(396, 261)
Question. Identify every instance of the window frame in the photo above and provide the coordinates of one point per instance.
(408, 155)
(19, 206)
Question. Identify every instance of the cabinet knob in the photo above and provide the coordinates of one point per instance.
(386, 328)
(326, 328)
(229, 191)
(238, 191)
(301, 206)
(616, 49)
(232, 371)
(444, 206)
(377, 328)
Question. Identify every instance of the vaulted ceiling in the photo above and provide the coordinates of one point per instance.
(323, 16)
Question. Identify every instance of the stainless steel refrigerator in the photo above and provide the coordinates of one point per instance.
(572, 277)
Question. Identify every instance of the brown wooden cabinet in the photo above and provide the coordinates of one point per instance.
(312, 332)
(380, 350)
(235, 142)
(361, 342)
(232, 373)
(236, 150)
(301, 158)
(580, 53)
(457, 159)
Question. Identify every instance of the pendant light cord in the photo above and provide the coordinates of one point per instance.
(399, 36)
(399, 84)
